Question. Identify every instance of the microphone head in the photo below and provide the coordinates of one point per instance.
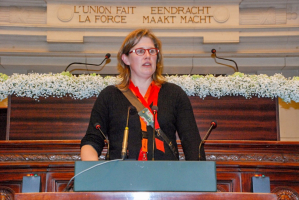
(213, 51)
(155, 108)
(107, 56)
(97, 126)
(214, 124)
(133, 110)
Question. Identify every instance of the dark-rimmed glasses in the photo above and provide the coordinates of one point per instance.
(141, 51)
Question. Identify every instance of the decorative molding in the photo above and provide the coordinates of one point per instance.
(292, 12)
(255, 157)
(285, 158)
(39, 157)
(28, 15)
(65, 13)
(262, 16)
(221, 14)
(23, 3)
(285, 193)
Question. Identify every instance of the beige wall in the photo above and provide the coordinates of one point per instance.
(289, 121)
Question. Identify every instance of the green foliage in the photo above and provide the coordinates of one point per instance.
(3, 77)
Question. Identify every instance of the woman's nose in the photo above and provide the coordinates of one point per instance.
(147, 54)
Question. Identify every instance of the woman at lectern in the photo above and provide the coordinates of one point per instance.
(125, 114)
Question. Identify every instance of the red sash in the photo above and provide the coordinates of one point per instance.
(151, 97)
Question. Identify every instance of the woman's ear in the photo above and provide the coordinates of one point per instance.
(125, 59)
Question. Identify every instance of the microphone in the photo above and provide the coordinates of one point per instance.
(214, 53)
(155, 110)
(98, 127)
(213, 126)
(131, 111)
(107, 56)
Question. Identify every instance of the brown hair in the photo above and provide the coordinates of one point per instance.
(130, 41)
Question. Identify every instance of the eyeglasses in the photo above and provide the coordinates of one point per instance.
(141, 51)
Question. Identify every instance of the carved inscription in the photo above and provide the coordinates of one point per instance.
(150, 15)
(179, 14)
(103, 14)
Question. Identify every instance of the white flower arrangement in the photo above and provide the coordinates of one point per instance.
(85, 86)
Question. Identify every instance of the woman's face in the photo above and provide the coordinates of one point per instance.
(142, 67)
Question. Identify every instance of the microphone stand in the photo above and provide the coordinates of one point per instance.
(214, 53)
(107, 56)
(126, 136)
(98, 127)
(213, 125)
(155, 109)
(131, 111)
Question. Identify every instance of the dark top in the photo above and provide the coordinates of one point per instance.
(175, 114)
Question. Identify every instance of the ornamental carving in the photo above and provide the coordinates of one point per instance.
(6, 193)
(254, 157)
(285, 193)
(39, 157)
(286, 158)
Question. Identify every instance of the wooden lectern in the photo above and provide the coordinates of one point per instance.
(145, 196)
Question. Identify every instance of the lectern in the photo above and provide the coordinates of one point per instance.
(188, 176)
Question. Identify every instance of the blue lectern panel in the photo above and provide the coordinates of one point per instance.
(197, 176)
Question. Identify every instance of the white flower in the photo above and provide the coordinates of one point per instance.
(85, 86)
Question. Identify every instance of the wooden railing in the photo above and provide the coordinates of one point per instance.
(43, 137)
(236, 163)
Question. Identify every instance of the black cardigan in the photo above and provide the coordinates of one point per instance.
(175, 114)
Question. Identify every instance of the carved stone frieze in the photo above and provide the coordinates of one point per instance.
(268, 15)
(263, 16)
(23, 15)
(285, 193)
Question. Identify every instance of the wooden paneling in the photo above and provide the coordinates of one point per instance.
(12, 180)
(49, 119)
(229, 181)
(237, 118)
(57, 182)
(67, 119)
